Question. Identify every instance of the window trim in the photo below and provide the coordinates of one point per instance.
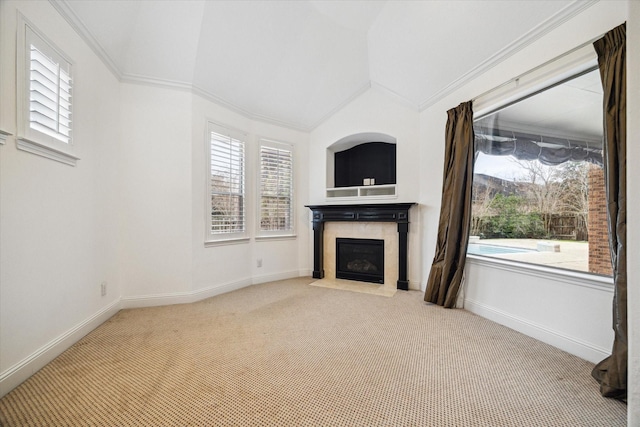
(217, 239)
(572, 277)
(28, 139)
(3, 136)
(274, 234)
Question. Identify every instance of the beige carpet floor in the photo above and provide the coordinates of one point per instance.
(289, 354)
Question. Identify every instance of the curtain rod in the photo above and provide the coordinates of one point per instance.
(528, 72)
(535, 92)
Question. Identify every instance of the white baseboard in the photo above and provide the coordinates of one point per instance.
(415, 285)
(140, 301)
(308, 272)
(274, 277)
(16, 374)
(585, 350)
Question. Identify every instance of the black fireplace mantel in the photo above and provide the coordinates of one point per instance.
(382, 212)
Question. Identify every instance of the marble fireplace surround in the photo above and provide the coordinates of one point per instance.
(373, 221)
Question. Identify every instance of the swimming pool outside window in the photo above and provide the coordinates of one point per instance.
(478, 249)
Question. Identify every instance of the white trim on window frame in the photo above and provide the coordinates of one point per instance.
(573, 277)
(28, 139)
(262, 235)
(3, 136)
(217, 239)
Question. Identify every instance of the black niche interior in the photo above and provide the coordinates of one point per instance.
(360, 259)
(375, 160)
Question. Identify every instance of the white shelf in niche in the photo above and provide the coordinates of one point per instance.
(367, 191)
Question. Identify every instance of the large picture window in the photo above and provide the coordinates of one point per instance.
(276, 188)
(538, 187)
(227, 218)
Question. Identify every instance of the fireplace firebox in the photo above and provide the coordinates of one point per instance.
(360, 259)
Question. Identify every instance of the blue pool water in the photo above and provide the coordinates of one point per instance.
(480, 249)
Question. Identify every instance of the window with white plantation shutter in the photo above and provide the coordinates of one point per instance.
(276, 188)
(226, 184)
(45, 88)
(49, 95)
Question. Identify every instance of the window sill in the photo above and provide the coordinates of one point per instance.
(3, 136)
(568, 276)
(47, 151)
(224, 242)
(277, 237)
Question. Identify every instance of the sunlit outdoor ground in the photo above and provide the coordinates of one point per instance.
(573, 255)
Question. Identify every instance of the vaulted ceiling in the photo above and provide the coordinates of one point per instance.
(297, 62)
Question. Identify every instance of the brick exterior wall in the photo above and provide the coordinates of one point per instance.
(599, 255)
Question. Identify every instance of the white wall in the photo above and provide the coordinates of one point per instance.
(564, 313)
(231, 266)
(156, 192)
(164, 259)
(58, 223)
(131, 213)
(375, 111)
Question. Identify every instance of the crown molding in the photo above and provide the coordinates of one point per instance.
(568, 12)
(63, 8)
(400, 98)
(154, 81)
(573, 9)
(365, 87)
(66, 11)
(203, 93)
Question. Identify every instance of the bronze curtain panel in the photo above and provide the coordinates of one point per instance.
(611, 373)
(447, 269)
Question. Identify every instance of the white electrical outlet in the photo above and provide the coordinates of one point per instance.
(259, 262)
(103, 288)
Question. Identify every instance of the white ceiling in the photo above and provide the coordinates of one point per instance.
(297, 62)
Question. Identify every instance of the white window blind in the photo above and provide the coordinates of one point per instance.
(227, 184)
(49, 93)
(276, 188)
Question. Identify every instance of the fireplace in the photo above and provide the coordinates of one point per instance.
(360, 259)
(397, 213)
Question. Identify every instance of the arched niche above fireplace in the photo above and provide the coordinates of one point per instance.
(362, 165)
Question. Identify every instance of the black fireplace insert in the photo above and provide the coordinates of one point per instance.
(360, 259)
